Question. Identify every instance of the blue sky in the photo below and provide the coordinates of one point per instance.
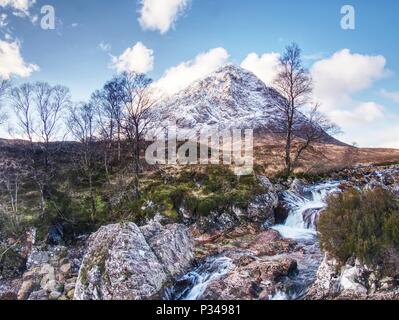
(365, 103)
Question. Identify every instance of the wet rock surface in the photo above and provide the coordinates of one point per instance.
(353, 281)
(124, 262)
(260, 210)
(249, 265)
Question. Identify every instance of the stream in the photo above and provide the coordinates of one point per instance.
(300, 227)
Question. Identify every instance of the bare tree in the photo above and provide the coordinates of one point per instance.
(10, 184)
(109, 103)
(22, 103)
(294, 83)
(4, 87)
(38, 109)
(315, 129)
(137, 117)
(10, 178)
(50, 101)
(83, 124)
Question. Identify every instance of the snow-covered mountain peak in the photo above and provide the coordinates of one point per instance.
(230, 97)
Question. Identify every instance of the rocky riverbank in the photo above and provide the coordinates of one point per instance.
(243, 255)
(354, 280)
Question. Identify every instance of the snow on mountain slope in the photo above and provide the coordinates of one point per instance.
(229, 98)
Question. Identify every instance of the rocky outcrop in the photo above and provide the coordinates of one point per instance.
(251, 278)
(124, 262)
(51, 274)
(259, 259)
(172, 245)
(259, 210)
(353, 281)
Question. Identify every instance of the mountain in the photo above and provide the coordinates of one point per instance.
(230, 97)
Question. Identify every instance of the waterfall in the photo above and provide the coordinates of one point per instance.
(193, 285)
(301, 226)
(304, 212)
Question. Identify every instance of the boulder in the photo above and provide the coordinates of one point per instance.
(327, 281)
(254, 279)
(39, 295)
(49, 274)
(26, 289)
(270, 243)
(349, 281)
(219, 222)
(261, 208)
(299, 188)
(173, 247)
(124, 262)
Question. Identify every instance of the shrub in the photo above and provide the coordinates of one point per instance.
(361, 224)
(12, 264)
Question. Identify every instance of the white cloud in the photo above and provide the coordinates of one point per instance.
(347, 72)
(34, 19)
(12, 63)
(161, 14)
(21, 6)
(392, 95)
(364, 112)
(138, 59)
(103, 46)
(3, 20)
(265, 67)
(182, 75)
(314, 56)
(389, 137)
(338, 78)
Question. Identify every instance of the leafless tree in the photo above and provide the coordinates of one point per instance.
(22, 103)
(50, 102)
(83, 124)
(313, 130)
(4, 87)
(38, 109)
(10, 179)
(294, 83)
(109, 104)
(137, 116)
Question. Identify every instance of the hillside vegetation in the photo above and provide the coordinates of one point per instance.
(362, 224)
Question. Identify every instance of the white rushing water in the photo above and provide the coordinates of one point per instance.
(195, 282)
(301, 221)
(300, 226)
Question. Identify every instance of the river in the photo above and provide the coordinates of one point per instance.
(300, 226)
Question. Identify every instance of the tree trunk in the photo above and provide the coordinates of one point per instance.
(93, 198)
(288, 146)
(119, 144)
